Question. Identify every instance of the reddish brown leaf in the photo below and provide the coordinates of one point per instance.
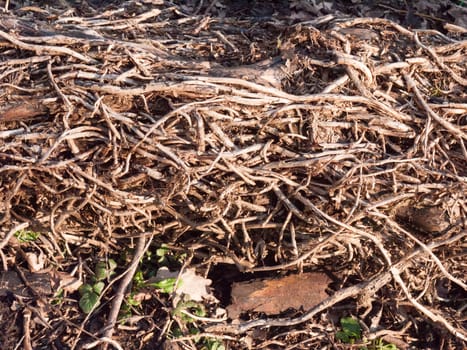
(273, 296)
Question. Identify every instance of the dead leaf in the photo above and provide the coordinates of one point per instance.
(35, 261)
(273, 296)
(192, 285)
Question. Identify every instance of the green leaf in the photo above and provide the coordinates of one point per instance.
(131, 301)
(112, 264)
(390, 347)
(213, 344)
(351, 327)
(25, 236)
(166, 286)
(88, 301)
(162, 251)
(343, 337)
(98, 287)
(85, 288)
(138, 279)
(101, 271)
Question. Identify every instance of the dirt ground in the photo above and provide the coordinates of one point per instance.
(220, 174)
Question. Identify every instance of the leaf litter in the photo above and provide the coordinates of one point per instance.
(251, 140)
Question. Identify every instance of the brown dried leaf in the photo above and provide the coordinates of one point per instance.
(273, 296)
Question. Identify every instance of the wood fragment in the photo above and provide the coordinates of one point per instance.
(273, 296)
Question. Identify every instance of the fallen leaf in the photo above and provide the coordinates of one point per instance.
(273, 296)
(35, 262)
(192, 285)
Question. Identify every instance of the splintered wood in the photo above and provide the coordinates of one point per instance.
(273, 296)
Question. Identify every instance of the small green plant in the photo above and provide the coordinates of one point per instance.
(138, 279)
(212, 344)
(25, 236)
(167, 285)
(351, 330)
(165, 256)
(192, 307)
(90, 292)
(378, 344)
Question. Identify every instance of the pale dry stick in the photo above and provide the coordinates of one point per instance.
(352, 73)
(351, 61)
(25, 61)
(167, 151)
(79, 132)
(127, 197)
(225, 140)
(201, 144)
(281, 234)
(10, 234)
(424, 247)
(69, 105)
(40, 49)
(389, 67)
(296, 262)
(140, 249)
(335, 84)
(284, 164)
(206, 335)
(437, 33)
(372, 237)
(27, 329)
(455, 29)
(358, 198)
(103, 341)
(187, 88)
(105, 113)
(115, 25)
(239, 171)
(444, 123)
(282, 197)
(164, 119)
(457, 46)
(373, 20)
(225, 40)
(440, 63)
(430, 314)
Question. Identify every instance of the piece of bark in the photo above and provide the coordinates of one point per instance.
(273, 296)
(38, 283)
(23, 111)
(269, 72)
(426, 219)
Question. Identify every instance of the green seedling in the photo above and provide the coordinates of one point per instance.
(162, 254)
(138, 280)
(90, 292)
(192, 307)
(212, 344)
(167, 285)
(378, 344)
(25, 236)
(351, 330)
(166, 257)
